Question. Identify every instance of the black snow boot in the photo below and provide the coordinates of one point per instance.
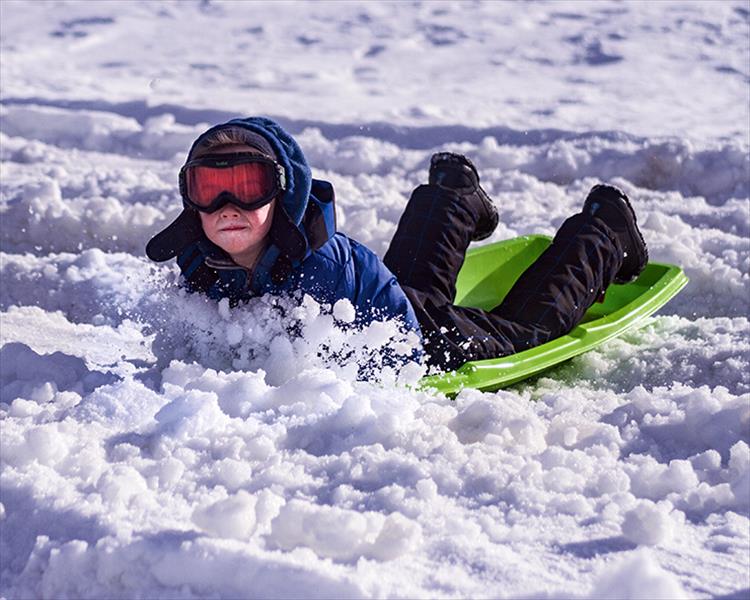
(456, 172)
(612, 206)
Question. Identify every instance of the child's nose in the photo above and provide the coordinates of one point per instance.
(229, 210)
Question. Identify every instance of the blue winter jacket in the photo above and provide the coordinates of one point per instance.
(305, 253)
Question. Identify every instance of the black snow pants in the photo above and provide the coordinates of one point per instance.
(547, 301)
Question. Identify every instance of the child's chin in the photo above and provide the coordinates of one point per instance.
(235, 248)
(234, 242)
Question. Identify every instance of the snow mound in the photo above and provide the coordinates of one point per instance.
(158, 445)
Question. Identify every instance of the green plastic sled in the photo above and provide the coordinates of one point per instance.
(490, 271)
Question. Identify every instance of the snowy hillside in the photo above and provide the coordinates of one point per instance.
(158, 445)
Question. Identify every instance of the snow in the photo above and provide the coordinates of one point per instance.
(648, 524)
(156, 444)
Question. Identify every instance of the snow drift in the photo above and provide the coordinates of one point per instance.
(155, 444)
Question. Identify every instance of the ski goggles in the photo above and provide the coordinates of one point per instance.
(245, 179)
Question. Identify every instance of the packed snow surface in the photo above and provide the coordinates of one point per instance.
(155, 444)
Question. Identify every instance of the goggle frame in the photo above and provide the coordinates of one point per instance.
(225, 161)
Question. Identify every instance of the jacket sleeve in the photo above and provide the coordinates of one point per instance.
(377, 293)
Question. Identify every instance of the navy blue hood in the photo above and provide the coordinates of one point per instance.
(307, 218)
(289, 155)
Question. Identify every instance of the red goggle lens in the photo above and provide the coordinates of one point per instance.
(248, 182)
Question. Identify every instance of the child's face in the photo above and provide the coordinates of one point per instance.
(240, 233)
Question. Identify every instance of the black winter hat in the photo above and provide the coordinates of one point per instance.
(243, 135)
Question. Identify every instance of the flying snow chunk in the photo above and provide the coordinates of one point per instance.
(344, 311)
(234, 334)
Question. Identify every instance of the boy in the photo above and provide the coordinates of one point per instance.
(255, 222)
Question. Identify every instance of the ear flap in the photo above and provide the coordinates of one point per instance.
(319, 221)
(286, 236)
(319, 224)
(179, 234)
